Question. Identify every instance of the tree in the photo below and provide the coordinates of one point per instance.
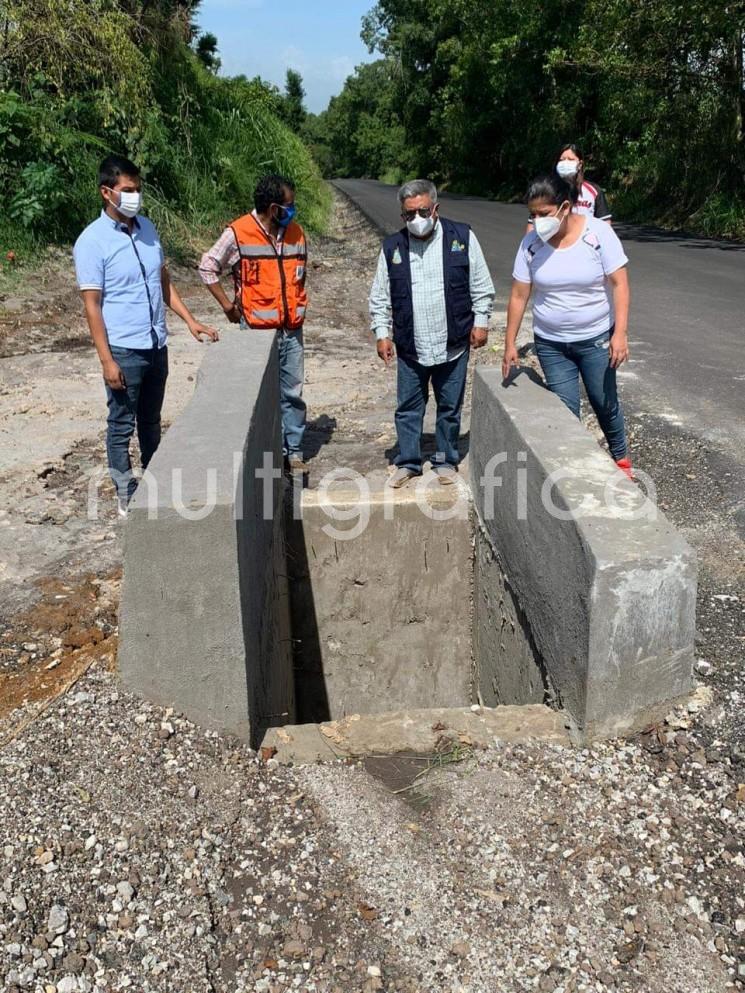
(85, 77)
(206, 50)
(362, 127)
(480, 94)
(294, 96)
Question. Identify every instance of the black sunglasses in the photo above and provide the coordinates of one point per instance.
(409, 215)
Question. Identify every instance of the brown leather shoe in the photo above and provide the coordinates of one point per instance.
(401, 477)
(446, 474)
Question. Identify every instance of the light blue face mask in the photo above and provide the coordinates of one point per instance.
(290, 213)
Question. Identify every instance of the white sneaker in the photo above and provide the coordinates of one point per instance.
(122, 506)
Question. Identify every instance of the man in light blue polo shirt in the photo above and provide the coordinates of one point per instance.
(125, 286)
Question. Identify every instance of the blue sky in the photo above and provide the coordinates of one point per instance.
(319, 38)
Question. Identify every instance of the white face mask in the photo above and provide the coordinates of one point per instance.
(567, 168)
(547, 227)
(129, 204)
(420, 227)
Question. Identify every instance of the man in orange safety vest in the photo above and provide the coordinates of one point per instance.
(267, 254)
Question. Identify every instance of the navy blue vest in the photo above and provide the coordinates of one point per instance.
(455, 242)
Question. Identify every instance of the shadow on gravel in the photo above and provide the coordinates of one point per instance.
(412, 777)
(403, 776)
(318, 433)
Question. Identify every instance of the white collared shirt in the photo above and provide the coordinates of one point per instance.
(428, 295)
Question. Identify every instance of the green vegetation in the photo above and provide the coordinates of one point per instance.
(480, 94)
(83, 78)
(294, 108)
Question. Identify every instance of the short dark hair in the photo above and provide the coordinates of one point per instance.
(570, 148)
(269, 190)
(553, 188)
(114, 166)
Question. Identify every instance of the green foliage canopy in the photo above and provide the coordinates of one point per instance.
(81, 78)
(480, 94)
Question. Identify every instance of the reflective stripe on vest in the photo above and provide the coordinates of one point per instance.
(257, 251)
(293, 251)
(266, 315)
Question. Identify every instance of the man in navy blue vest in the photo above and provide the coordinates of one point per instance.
(433, 289)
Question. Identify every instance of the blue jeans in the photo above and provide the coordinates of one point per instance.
(449, 386)
(137, 406)
(563, 362)
(291, 374)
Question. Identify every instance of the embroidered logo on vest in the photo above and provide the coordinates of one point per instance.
(457, 246)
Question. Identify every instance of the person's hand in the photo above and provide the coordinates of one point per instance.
(113, 376)
(618, 349)
(198, 329)
(385, 350)
(233, 313)
(479, 337)
(509, 360)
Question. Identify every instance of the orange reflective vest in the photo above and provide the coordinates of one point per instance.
(272, 280)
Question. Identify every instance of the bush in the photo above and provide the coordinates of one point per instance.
(39, 194)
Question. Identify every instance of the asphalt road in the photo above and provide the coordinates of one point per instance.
(687, 326)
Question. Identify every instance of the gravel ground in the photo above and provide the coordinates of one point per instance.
(697, 491)
(140, 852)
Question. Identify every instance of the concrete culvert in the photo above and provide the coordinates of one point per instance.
(546, 580)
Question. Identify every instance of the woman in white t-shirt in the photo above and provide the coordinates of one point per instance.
(570, 166)
(576, 267)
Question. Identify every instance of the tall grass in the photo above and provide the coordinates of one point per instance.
(201, 142)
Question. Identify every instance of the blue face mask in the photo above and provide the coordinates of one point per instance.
(288, 216)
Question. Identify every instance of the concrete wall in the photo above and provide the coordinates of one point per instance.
(509, 668)
(382, 621)
(608, 600)
(205, 613)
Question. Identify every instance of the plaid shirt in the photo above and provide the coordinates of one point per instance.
(224, 257)
(428, 292)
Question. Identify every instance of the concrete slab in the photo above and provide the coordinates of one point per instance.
(205, 615)
(418, 732)
(607, 585)
(382, 596)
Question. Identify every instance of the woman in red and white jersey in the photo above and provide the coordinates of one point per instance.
(590, 198)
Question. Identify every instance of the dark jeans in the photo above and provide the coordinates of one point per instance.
(139, 405)
(449, 386)
(563, 362)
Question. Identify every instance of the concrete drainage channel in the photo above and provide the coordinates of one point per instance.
(542, 596)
